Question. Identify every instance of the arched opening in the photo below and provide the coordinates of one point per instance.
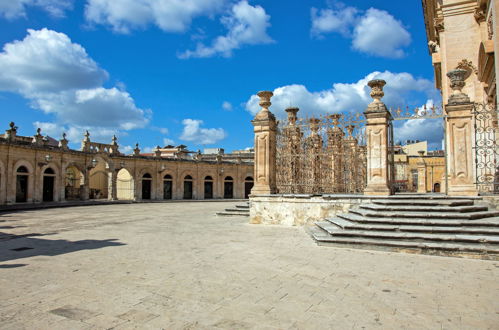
(436, 187)
(98, 179)
(125, 185)
(73, 183)
(248, 185)
(167, 187)
(22, 175)
(48, 185)
(146, 186)
(188, 187)
(208, 187)
(228, 187)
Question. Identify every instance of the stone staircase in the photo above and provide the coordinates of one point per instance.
(419, 224)
(238, 210)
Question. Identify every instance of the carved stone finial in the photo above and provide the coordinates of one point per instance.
(457, 83)
(86, 136)
(12, 125)
(38, 131)
(292, 117)
(64, 136)
(136, 151)
(350, 129)
(157, 151)
(265, 99)
(377, 89)
(314, 125)
(114, 139)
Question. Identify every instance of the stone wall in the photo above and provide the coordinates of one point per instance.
(299, 210)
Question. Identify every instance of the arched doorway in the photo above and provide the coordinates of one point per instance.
(167, 187)
(146, 186)
(98, 179)
(22, 176)
(188, 187)
(73, 183)
(436, 187)
(208, 187)
(125, 185)
(48, 185)
(228, 187)
(248, 185)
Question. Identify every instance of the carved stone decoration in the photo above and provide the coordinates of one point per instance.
(377, 93)
(63, 143)
(434, 46)
(38, 137)
(136, 150)
(438, 22)
(468, 66)
(479, 15)
(292, 115)
(457, 83)
(265, 148)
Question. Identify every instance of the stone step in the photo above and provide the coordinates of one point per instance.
(490, 251)
(430, 215)
(353, 217)
(237, 210)
(231, 214)
(424, 202)
(424, 208)
(414, 197)
(345, 224)
(243, 206)
(408, 236)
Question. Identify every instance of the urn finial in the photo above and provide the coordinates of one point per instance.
(457, 83)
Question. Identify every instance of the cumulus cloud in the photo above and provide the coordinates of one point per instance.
(246, 24)
(329, 20)
(59, 78)
(227, 106)
(12, 9)
(374, 32)
(345, 97)
(168, 15)
(193, 132)
(379, 33)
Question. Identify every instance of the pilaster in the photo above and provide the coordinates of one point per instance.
(378, 119)
(265, 127)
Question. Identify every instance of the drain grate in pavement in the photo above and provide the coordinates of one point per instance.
(22, 248)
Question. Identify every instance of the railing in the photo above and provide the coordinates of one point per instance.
(320, 155)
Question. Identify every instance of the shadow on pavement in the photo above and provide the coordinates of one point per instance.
(14, 247)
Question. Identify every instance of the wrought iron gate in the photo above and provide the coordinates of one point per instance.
(486, 148)
(395, 169)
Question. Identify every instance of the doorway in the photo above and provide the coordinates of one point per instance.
(208, 187)
(48, 185)
(228, 187)
(146, 186)
(188, 187)
(168, 187)
(22, 185)
(248, 185)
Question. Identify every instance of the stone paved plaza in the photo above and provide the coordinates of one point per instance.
(177, 266)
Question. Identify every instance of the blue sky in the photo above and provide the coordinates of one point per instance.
(185, 72)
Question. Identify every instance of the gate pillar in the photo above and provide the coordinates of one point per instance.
(112, 191)
(459, 130)
(377, 127)
(421, 165)
(265, 148)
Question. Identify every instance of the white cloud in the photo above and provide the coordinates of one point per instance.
(47, 61)
(344, 97)
(379, 33)
(167, 141)
(227, 106)
(374, 32)
(247, 25)
(329, 20)
(169, 15)
(193, 132)
(59, 78)
(12, 9)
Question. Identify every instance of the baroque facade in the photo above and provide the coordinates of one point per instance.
(40, 169)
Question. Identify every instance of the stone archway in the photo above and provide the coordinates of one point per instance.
(48, 185)
(208, 187)
(248, 185)
(188, 192)
(125, 185)
(228, 187)
(99, 178)
(146, 186)
(167, 186)
(73, 182)
(22, 189)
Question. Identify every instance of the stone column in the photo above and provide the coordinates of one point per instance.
(378, 119)
(112, 191)
(85, 188)
(459, 129)
(265, 148)
(335, 145)
(421, 173)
